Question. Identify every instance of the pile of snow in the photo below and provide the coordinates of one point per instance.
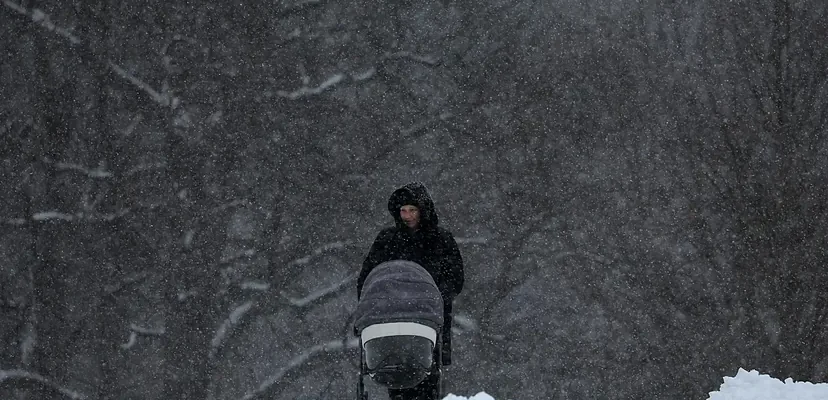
(755, 386)
(479, 396)
(744, 386)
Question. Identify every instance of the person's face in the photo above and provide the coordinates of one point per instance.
(410, 215)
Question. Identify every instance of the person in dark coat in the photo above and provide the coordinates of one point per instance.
(416, 236)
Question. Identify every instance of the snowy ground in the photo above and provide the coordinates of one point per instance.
(744, 386)
(755, 386)
(479, 396)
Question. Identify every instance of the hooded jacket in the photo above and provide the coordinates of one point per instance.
(431, 246)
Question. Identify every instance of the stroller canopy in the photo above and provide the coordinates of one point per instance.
(399, 291)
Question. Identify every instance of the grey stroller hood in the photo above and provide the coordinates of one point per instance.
(399, 291)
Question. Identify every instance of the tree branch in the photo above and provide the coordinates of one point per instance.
(300, 7)
(320, 294)
(471, 240)
(333, 80)
(423, 59)
(137, 330)
(79, 216)
(305, 91)
(325, 248)
(127, 281)
(67, 166)
(316, 351)
(39, 17)
(100, 173)
(226, 327)
(19, 379)
(163, 98)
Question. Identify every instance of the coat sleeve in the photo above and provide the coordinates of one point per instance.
(376, 256)
(453, 266)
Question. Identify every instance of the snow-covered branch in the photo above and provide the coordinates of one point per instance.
(24, 378)
(137, 330)
(325, 248)
(254, 285)
(336, 79)
(365, 75)
(425, 59)
(227, 326)
(100, 173)
(147, 331)
(83, 216)
(145, 167)
(52, 215)
(129, 280)
(305, 91)
(238, 255)
(79, 216)
(590, 256)
(298, 361)
(40, 18)
(28, 339)
(92, 173)
(86, 216)
(300, 6)
(464, 324)
(133, 339)
(232, 204)
(164, 98)
(471, 240)
(319, 294)
(425, 124)
(325, 292)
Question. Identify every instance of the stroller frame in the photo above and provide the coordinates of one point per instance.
(436, 369)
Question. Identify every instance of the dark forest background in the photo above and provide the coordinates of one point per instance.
(188, 189)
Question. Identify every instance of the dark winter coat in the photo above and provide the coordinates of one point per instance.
(431, 246)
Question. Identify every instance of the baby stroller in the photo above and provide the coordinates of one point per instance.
(398, 319)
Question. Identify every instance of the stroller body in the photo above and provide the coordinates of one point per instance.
(399, 319)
